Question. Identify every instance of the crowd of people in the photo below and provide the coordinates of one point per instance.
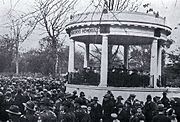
(45, 100)
(117, 77)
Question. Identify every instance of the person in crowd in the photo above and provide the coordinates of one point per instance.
(108, 105)
(74, 95)
(96, 110)
(69, 115)
(157, 100)
(118, 104)
(3, 114)
(46, 114)
(19, 100)
(82, 99)
(165, 100)
(14, 114)
(124, 113)
(85, 115)
(8, 99)
(175, 104)
(130, 100)
(138, 116)
(149, 108)
(29, 115)
(171, 114)
(160, 117)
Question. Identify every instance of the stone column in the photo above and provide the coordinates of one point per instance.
(153, 65)
(126, 53)
(104, 62)
(86, 55)
(159, 62)
(71, 56)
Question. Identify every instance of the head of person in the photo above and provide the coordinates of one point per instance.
(95, 100)
(139, 110)
(164, 94)
(149, 98)
(46, 103)
(29, 107)
(132, 96)
(74, 92)
(160, 108)
(82, 95)
(119, 98)
(7, 95)
(107, 97)
(84, 108)
(171, 112)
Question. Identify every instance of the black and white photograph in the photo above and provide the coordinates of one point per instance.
(89, 60)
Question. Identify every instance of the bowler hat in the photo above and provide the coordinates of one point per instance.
(107, 96)
(29, 105)
(95, 99)
(14, 110)
(120, 97)
(82, 94)
(132, 95)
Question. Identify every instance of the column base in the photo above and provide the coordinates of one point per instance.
(102, 85)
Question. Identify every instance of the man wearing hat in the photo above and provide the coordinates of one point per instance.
(149, 108)
(30, 115)
(46, 114)
(165, 100)
(14, 113)
(119, 103)
(160, 117)
(74, 95)
(81, 99)
(96, 110)
(108, 105)
(130, 100)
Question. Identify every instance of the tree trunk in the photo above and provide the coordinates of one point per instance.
(55, 57)
(56, 64)
(17, 57)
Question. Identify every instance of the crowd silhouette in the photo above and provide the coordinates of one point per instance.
(46, 100)
(117, 77)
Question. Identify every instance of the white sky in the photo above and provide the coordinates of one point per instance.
(167, 8)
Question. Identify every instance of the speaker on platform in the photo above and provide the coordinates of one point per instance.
(157, 32)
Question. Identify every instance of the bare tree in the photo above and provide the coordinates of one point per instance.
(53, 15)
(20, 27)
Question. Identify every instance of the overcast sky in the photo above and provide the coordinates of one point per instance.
(167, 8)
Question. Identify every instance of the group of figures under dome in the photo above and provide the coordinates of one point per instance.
(117, 77)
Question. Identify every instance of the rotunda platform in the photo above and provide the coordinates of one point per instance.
(140, 92)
